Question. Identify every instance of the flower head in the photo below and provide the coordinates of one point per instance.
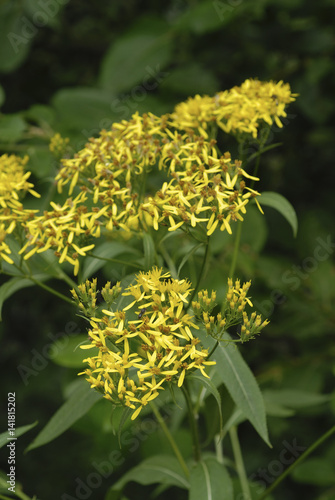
(232, 312)
(240, 110)
(14, 180)
(147, 344)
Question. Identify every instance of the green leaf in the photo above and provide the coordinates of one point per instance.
(282, 205)
(41, 161)
(2, 95)
(78, 404)
(201, 18)
(66, 351)
(240, 382)
(136, 59)
(83, 109)
(149, 251)
(293, 398)
(11, 128)
(191, 79)
(122, 420)
(211, 388)
(4, 437)
(277, 410)
(163, 469)
(236, 418)
(41, 114)
(13, 285)
(254, 233)
(187, 256)
(33, 6)
(107, 250)
(316, 471)
(209, 480)
(15, 36)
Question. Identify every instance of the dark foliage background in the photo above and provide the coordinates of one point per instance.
(75, 67)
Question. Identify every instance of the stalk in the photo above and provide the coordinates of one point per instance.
(51, 290)
(170, 439)
(193, 423)
(239, 463)
(302, 457)
(200, 277)
(236, 249)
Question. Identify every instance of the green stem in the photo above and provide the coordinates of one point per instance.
(193, 423)
(49, 289)
(68, 280)
(168, 260)
(236, 248)
(239, 463)
(213, 350)
(218, 448)
(170, 439)
(302, 457)
(118, 261)
(200, 276)
(143, 185)
(255, 171)
(43, 285)
(49, 196)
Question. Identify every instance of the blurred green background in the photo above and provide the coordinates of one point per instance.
(75, 67)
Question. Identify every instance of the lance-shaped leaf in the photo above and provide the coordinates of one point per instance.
(78, 404)
(163, 469)
(240, 381)
(210, 481)
(282, 205)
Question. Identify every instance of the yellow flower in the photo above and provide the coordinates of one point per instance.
(4, 248)
(14, 180)
(58, 145)
(233, 312)
(147, 344)
(14, 185)
(205, 190)
(238, 110)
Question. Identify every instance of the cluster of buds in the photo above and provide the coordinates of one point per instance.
(110, 294)
(251, 326)
(204, 304)
(59, 145)
(202, 309)
(235, 302)
(233, 312)
(86, 298)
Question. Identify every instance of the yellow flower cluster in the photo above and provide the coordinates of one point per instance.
(14, 181)
(233, 312)
(238, 110)
(205, 189)
(14, 185)
(111, 168)
(144, 346)
(65, 229)
(58, 145)
(105, 183)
